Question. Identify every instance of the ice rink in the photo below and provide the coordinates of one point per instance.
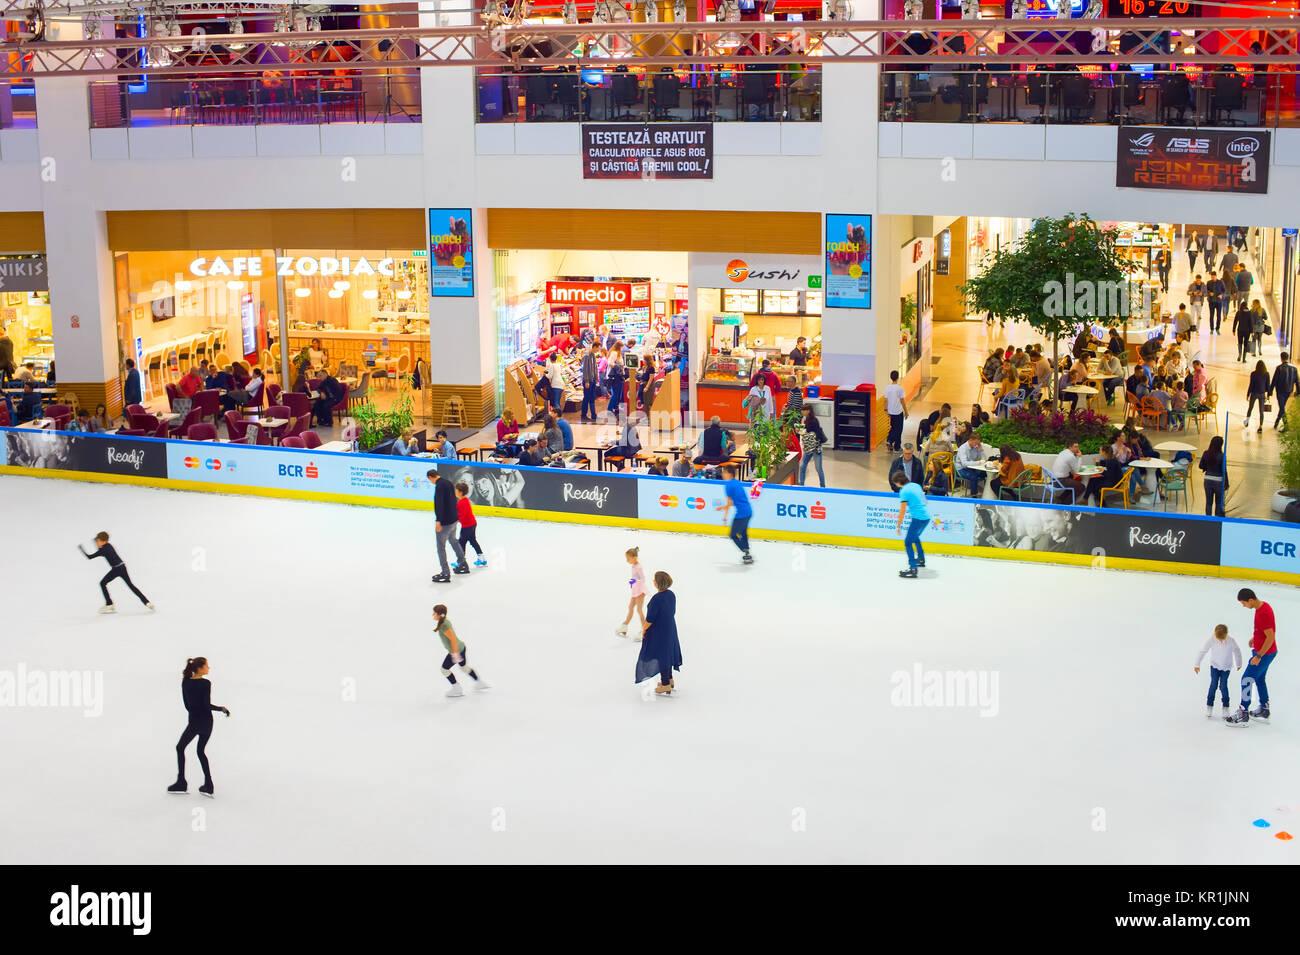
(788, 741)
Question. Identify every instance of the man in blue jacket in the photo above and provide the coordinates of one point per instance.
(737, 495)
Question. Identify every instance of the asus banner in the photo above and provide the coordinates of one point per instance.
(1201, 160)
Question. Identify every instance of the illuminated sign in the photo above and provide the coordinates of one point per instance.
(590, 293)
(288, 265)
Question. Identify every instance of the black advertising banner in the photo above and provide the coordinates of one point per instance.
(1201, 160)
(647, 151)
(1101, 534)
(567, 490)
(96, 453)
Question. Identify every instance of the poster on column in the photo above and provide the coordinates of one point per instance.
(848, 261)
(451, 253)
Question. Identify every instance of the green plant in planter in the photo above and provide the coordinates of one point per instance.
(378, 426)
(907, 314)
(767, 438)
(1288, 460)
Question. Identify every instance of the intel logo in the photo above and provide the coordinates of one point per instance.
(1243, 146)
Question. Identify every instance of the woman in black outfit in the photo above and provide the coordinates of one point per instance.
(116, 568)
(1215, 467)
(1257, 391)
(196, 692)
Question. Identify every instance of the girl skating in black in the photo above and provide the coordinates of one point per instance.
(115, 569)
(197, 694)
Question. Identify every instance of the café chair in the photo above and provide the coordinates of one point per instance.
(1152, 410)
(1176, 94)
(1120, 487)
(1132, 404)
(1052, 486)
(1227, 95)
(61, 414)
(297, 425)
(208, 402)
(194, 416)
(291, 441)
(1009, 402)
(131, 433)
(1172, 482)
(1018, 488)
(164, 425)
(202, 431)
(172, 395)
(310, 440)
(273, 394)
(984, 383)
(254, 405)
(144, 421)
(236, 426)
(1077, 98)
(359, 392)
(1208, 409)
(299, 405)
(278, 432)
(134, 409)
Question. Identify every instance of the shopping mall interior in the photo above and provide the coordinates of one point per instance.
(724, 313)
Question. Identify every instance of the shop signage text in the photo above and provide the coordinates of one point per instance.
(647, 151)
(847, 253)
(288, 265)
(588, 293)
(24, 275)
(1209, 161)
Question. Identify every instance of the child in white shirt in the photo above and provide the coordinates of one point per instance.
(1224, 653)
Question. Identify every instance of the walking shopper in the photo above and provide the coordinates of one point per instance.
(456, 654)
(1224, 654)
(196, 693)
(738, 497)
(116, 569)
(661, 653)
(1241, 327)
(1194, 244)
(1163, 261)
(1257, 392)
(911, 499)
(589, 383)
(1196, 299)
(896, 408)
(1215, 465)
(1216, 292)
(812, 441)
(445, 520)
(468, 524)
(1264, 645)
(1282, 387)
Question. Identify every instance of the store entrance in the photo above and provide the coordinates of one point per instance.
(27, 324)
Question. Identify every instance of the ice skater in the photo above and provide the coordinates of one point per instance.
(445, 519)
(196, 692)
(1224, 653)
(636, 602)
(468, 524)
(739, 497)
(456, 653)
(911, 498)
(115, 569)
(661, 653)
(1264, 645)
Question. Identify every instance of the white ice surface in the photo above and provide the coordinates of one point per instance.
(784, 713)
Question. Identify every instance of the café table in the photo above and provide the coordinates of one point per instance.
(335, 447)
(1086, 391)
(600, 450)
(270, 424)
(38, 424)
(1152, 465)
(1175, 446)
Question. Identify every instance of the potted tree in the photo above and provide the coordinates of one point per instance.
(378, 429)
(1288, 475)
(768, 438)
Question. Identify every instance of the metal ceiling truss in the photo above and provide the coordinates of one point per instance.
(1203, 43)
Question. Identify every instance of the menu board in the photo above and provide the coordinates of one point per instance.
(740, 300)
(451, 253)
(813, 302)
(848, 261)
(777, 302)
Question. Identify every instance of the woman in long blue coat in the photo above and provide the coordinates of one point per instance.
(660, 652)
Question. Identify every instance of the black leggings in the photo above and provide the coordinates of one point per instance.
(202, 730)
(120, 571)
(447, 662)
(469, 535)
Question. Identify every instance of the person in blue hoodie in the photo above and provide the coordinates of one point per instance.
(737, 496)
(661, 653)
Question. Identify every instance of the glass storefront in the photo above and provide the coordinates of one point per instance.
(25, 312)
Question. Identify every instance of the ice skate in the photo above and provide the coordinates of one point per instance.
(108, 608)
(1225, 711)
(456, 690)
(149, 606)
(179, 788)
(481, 684)
(664, 690)
(909, 574)
(748, 558)
(461, 569)
(1240, 718)
(1209, 712)
(1261, 713)
(480, 562)
(441, 578)
(206, 789)
(621, 630)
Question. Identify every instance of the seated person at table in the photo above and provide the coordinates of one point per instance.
(1042, 370)
(910, 465)
(1109, 365)
(993, 364)
(552, 438)
(331, 392)
(81, 422)
(316, 356)
(245, 395)
(942, 437)
(1160, 392)
(978, 416)
(302, 372)
(1010, 466)
(190, 384)
(937, 483)
(1066, 470)
(1116, 344)
(1178, 408)
(629, 441)
(1066, 397)
(926, 425)
(27, 372)
(682, 465)
(405, 444)
(101, 419)
(566, 430)
(968, 455)
(507, 427)
(237, 374)
(1136, 384)
(659, 467)
(1019, 359)
(445, 448)
(1111, 472)
(712, 444)
(1199, 380)
(1010, 381)
(531, 456)
(217, 379)
(1142, 449)
(29, 405)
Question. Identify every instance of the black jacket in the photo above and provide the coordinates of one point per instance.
(1243, 324)
(915, 473)
(444, 501)
(1284, 381)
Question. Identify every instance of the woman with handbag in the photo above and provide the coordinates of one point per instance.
(1257, 391)
(812, 439)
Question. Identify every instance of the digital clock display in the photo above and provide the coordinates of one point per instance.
(1152, 8)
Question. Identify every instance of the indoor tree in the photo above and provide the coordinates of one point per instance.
(1061, 272)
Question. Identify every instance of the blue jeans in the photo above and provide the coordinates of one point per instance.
(973, 477)
(588, 402)
(913, 539)
(557, 399)
(1214, 498)
(1253, 676)
(1219, 679)
(803, 467)
(740, 533)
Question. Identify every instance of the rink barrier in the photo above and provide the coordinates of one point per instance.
(1075, 536)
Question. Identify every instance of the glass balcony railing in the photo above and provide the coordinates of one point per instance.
(335, 97)
(17, 106)
(708, 94)
(1096, 95)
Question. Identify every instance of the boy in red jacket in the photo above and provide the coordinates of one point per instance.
(468, 523)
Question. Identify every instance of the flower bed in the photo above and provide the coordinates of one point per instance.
(1037, 432)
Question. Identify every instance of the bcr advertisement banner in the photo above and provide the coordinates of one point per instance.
(1201, 160)
(647, 151)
